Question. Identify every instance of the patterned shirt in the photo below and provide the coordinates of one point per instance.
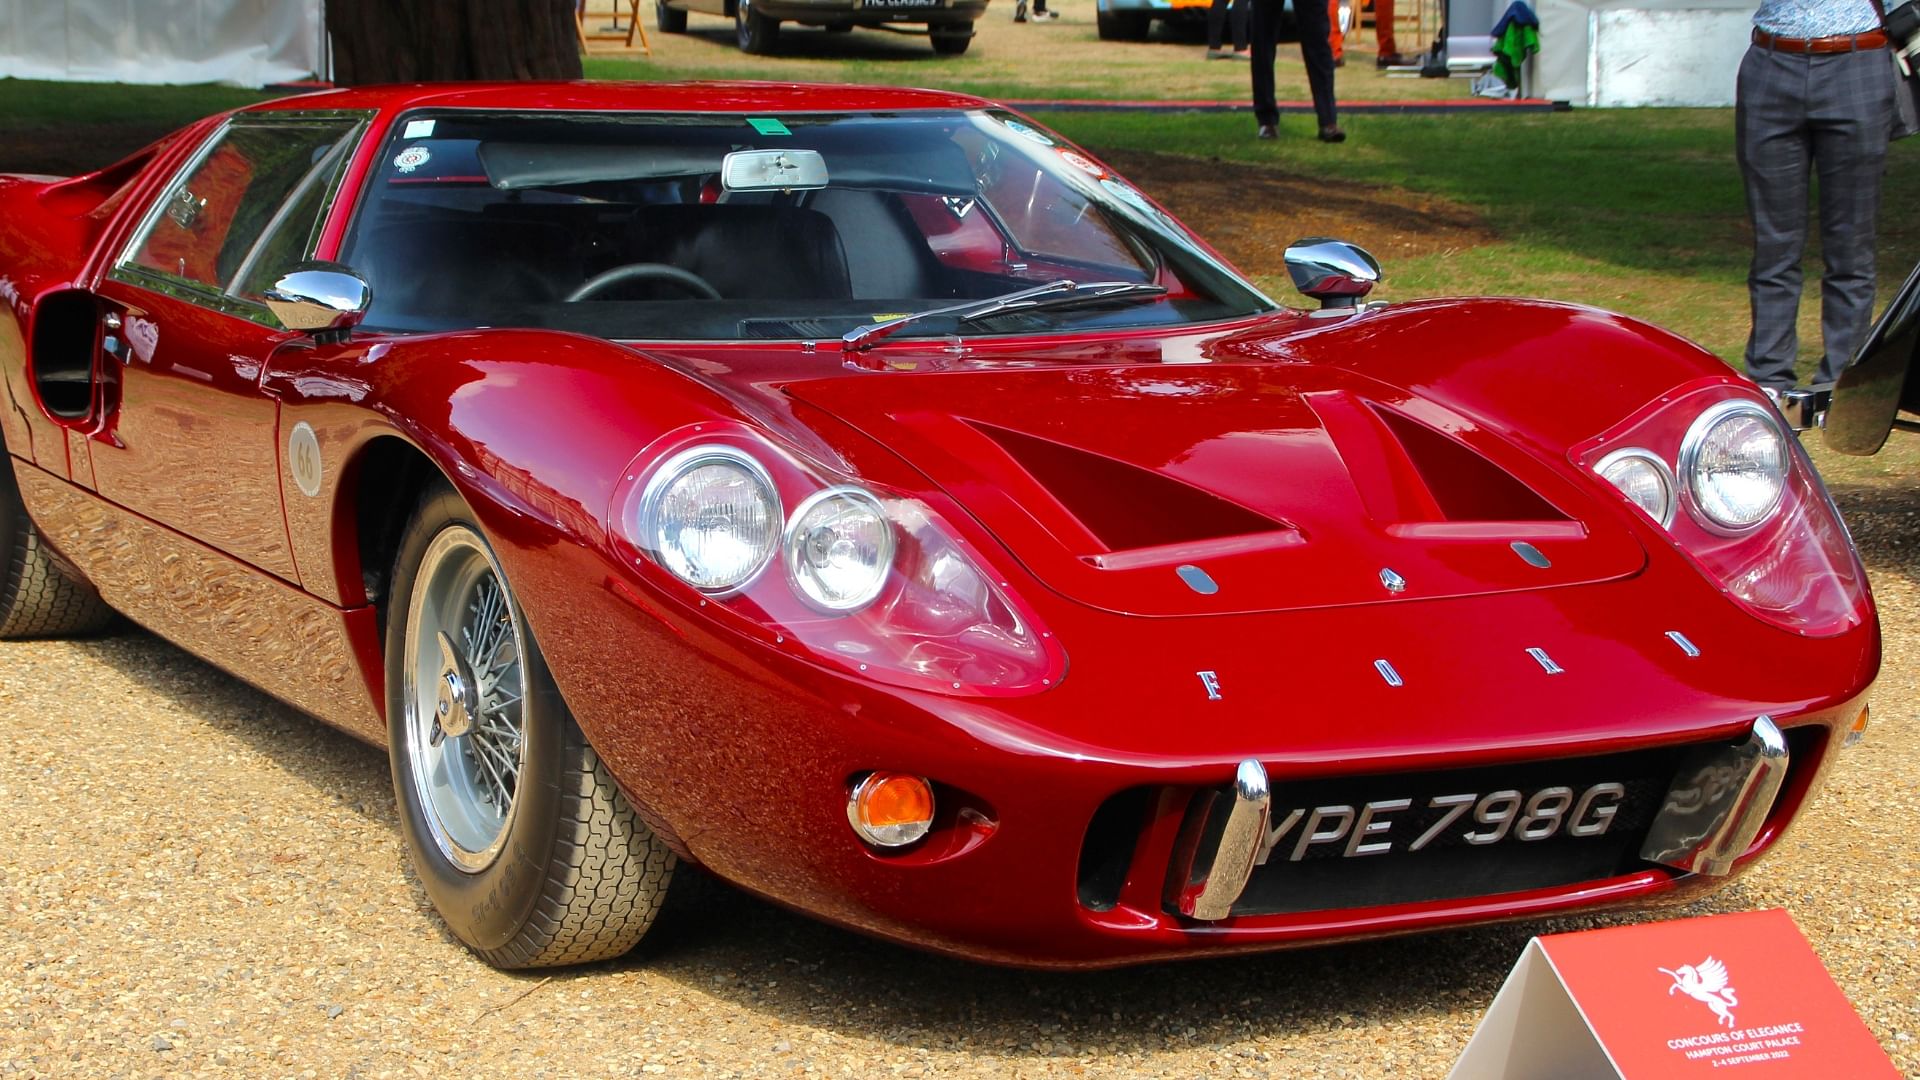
(1816, 18)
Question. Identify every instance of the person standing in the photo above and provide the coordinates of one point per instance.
(1310, 20)
(1383, 38)
(1815, 95)
(1219, 16)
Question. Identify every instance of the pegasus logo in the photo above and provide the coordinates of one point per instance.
(1706, 984)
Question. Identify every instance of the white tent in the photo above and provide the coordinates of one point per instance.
(1641, 52)
(238, 42)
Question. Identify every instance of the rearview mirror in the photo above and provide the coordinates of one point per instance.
(324, 299)
(1331, 271)
(773, 170)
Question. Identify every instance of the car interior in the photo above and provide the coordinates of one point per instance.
(631, 240)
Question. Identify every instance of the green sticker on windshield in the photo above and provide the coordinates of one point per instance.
(768, 126)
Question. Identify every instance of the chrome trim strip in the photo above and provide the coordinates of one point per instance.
(1386, 672)
(1211, 862)
(1546, 662)
(1718, 802)
(1686, 646)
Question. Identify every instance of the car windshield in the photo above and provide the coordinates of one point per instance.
(776, 227)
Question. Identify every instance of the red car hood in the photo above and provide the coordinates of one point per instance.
(1290, 486)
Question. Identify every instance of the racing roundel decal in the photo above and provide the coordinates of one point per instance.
(412, 158)
(303, 459)
(1082, 164)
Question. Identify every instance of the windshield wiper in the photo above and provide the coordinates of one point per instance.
(1064, 293)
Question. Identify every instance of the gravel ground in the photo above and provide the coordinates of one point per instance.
(196, 879)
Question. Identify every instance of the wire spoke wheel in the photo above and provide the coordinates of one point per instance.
(464, 698)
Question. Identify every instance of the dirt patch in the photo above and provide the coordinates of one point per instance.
(1252, 213)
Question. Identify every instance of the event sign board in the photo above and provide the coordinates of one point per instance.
(1735, 996)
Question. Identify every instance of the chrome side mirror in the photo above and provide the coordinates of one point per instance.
(1331, 271)
(324, 299)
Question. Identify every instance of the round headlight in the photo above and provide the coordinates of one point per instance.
(711, 517)
(1734, 461)
(1643, 478)
(839, 549)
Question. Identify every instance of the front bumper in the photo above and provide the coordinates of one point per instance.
(1061, 813)
(870, 13)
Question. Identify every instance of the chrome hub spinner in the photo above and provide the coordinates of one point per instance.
(455, 701)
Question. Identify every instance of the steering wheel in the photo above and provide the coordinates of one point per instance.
(646, 271)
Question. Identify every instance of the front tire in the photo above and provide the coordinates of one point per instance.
(515, 827)
(755, 33)
(952, 44)
(670, 20)
(37, 597)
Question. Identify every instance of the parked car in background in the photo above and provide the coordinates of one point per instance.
(874, 499)
(756, 23)
(1132, 20)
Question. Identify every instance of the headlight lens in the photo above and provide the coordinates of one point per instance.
(1734, 459)
(839, 549)
(711, 517)
(1643, 478)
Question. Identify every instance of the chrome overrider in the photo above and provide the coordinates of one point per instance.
(1719, 800)
(1715, 808)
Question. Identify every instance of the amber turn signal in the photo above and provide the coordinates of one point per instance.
(1859, 729)
(891, 809)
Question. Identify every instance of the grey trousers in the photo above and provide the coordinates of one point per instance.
(1831, 115)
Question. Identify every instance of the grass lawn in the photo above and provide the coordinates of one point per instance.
(34, 104)
(1636, 210)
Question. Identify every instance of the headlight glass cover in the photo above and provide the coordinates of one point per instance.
(1734, 459)
(711, 517)
(839, 549)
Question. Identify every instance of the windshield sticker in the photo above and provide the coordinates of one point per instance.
(1083, 164)
(411, 158)
(418, 129)
(766, 125)
(889, 316)
(1026, 132)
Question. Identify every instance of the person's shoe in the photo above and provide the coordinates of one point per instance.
(1219, 54)
(1339, 61)
(1267, 131)
(1387, 60)
(1332, 133)
(1046, 14)
(1242, 54)
(1020, 11)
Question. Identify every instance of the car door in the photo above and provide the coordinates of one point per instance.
(189, 439)
(1879, 384)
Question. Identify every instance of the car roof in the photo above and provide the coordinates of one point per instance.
(694, 97)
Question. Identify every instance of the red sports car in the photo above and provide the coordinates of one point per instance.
(872, 499)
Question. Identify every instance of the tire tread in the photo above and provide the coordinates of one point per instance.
(605, 884)
(39, 599)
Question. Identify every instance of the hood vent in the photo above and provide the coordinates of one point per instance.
(1123, 506)
(1464, 485)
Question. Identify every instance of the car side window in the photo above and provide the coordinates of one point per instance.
(208, 221)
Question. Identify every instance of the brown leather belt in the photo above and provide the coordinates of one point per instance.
(1839, 43)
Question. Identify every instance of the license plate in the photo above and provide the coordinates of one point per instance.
(1363, 841)
(1409, 824)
